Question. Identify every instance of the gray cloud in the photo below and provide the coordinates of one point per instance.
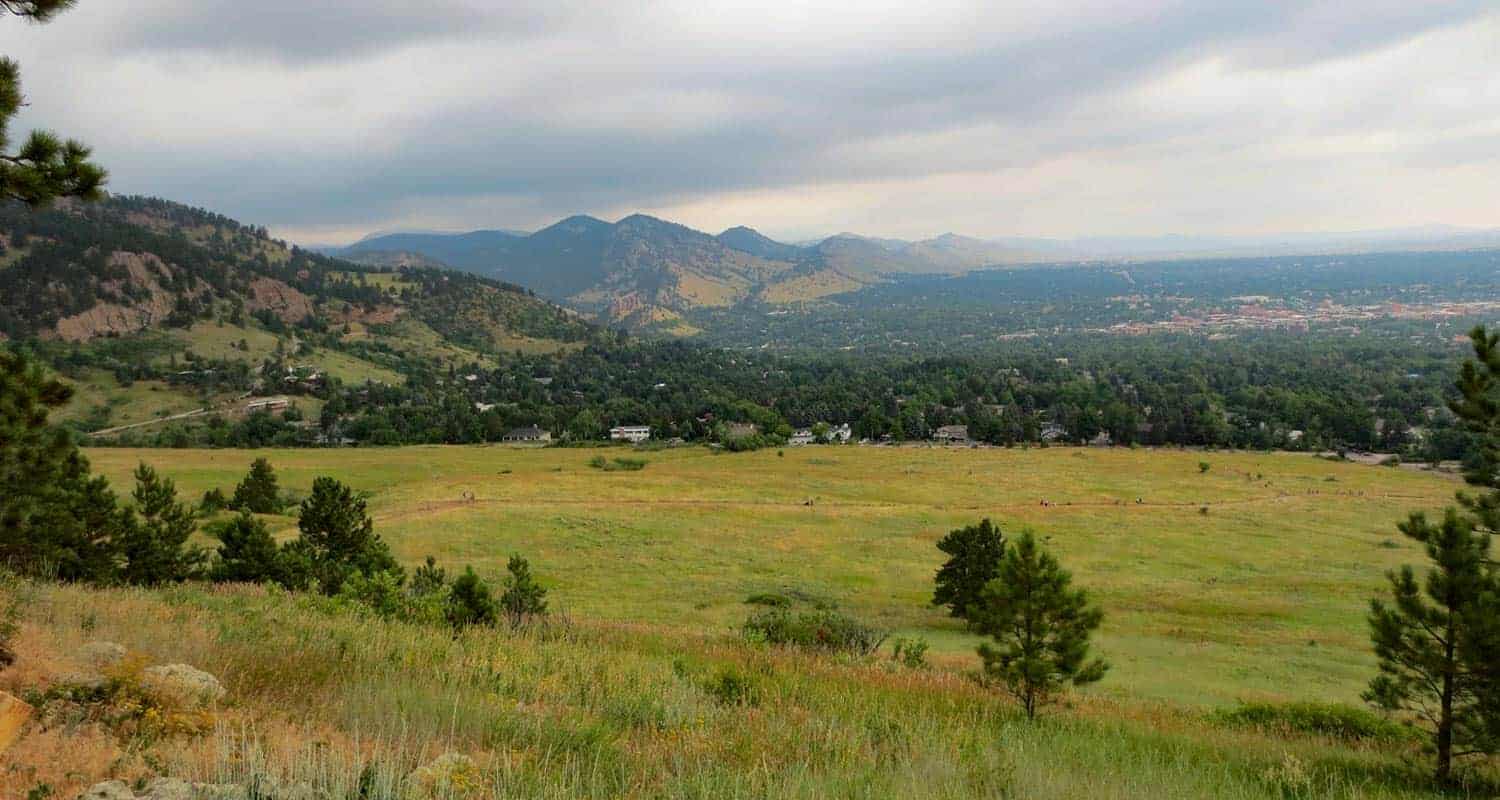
(341, 117)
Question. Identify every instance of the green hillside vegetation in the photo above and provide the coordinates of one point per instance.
(205, 310)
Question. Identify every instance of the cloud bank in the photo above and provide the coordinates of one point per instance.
(328, 120)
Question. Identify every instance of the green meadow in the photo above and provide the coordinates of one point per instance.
(1247, 582)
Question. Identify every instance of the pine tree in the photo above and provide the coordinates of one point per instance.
(258, 492)
(45, 167)
(1425, 637)
(523, 596)
(1479, 410)
(974, 560)
(56, 519)
(469, 601)
(1478, 407)
(1041, 627)
(428, 578)
(338, 537)
(155, 545)
(247, 552)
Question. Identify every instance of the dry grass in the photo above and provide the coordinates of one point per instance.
(325, 695)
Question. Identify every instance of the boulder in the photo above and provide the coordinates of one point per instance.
(109, 790)
(101, 655)
(13, 715)
(182, 685)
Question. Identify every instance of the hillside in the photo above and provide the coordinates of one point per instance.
(646, 272)
(644, 687)
(197, 307)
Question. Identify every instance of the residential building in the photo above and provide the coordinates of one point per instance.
(951, 434)
(530, 433)
(268, 404)
(803, 436)
(630, 433)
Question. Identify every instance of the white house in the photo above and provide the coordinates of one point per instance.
(630, 433)
(531, 433)
(951, 434)
(803, 436)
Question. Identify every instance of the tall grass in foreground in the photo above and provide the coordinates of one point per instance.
(322, 694)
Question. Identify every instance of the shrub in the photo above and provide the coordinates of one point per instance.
(1203, 466)
(1335, 720)
(769, 599)
(818, 630)
(911, 653)
(380, 592)
(731, 687)
(619, 464)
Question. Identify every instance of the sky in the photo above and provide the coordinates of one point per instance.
(325, 121)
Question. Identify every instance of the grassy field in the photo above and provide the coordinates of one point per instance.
(138, 402)
(1249, 581)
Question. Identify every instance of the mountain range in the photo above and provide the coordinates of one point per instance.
(643, 271)
(647, 272)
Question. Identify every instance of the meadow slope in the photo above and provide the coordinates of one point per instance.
(1249, 581)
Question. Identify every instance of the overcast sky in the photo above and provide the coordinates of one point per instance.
(328, 120)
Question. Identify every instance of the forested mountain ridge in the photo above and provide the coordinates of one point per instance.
(646, 272)
(153, 310)
(130, 264)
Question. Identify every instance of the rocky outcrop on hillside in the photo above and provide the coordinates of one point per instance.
(269, 294)
(146, 274)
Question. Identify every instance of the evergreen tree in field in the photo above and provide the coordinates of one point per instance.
(155, 543)
(338, 537)
(1426, 638)
(1438, 640)
(258, 492)
(45, 167)
(974, 560)
(469, 601)
(247, 552)
(56, 519)
(1040, 626)
(523, 596)
(428, 578)
(1478, 407)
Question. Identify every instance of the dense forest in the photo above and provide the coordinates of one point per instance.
(1266, 391)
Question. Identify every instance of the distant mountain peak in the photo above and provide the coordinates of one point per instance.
(578, 219)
